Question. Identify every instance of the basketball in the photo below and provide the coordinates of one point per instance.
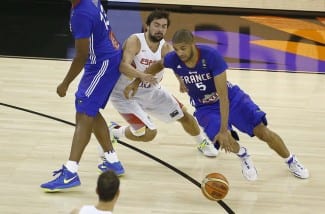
(215, 186)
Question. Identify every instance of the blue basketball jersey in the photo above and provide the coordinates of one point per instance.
(199, 80)
(244, 114)
(88, 20)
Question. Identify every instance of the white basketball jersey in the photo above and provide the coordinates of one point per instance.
(90, 209)
(141, 62)
(146, 57)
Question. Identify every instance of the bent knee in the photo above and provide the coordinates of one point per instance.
(262, 132)
(149, 135)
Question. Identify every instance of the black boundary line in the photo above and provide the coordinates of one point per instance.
(192, 180)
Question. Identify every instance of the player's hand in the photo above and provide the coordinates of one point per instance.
(226, 141)
(61, 90)
(148, 78)
(131, 89)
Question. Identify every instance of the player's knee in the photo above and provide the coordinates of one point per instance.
(262, 132)
(144, 134)
(149, 135)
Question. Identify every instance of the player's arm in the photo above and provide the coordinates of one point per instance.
(132, 88)
(223, 137)
(165, 50)
(182, 86)
(131, 48)
(78, 62)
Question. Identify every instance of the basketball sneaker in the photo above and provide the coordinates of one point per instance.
(116, 167)
(207, 148)
(248, 168)
(296, 168)
(65, 180)
(112, 126)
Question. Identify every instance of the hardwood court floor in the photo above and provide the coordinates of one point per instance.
(32, 146)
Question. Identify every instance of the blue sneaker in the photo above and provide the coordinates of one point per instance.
(116, 167)
(65, 180)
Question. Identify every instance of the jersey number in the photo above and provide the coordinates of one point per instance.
(201, 86)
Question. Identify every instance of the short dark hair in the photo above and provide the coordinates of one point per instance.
(158, 14)
(108, 185)
(183, 35)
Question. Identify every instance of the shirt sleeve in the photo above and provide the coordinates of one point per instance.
(81, 26)
(216, 63)
(168, 60)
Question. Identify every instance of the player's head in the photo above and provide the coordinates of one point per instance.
(183, 43)
(156, 25)
(108, 185)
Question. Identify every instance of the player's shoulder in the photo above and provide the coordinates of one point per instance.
(171, 59)
(132, 42)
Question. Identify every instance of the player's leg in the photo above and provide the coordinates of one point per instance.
(209, 119)
(250, 119)
(140, 127)
(67, 175)
(167, 108)
(191, 126)
(100, 130)
(92, 94)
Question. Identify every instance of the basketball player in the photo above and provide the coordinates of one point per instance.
(139, 52)
(108, 191)
(98, 52)
(220, 104)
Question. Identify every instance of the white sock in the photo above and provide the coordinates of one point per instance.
(120, 132)
(288, 158)
(111, 157)
(72, 166)
(199, 138)
(242, 151)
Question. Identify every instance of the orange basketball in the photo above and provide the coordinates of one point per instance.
(215, 186)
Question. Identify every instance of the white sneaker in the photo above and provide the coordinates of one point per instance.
(207, 148)
(248, 168)
(297, 169)
(112, 126)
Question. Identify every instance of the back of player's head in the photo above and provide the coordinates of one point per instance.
(183, 36)
(108, 185)
(158, 14)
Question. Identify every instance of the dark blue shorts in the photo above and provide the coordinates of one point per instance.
(96, 85)
(244, 114)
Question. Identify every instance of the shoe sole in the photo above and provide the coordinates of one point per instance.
(58, 189)
(209, 156)
(117, 173)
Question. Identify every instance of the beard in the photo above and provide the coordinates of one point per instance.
(156, 38)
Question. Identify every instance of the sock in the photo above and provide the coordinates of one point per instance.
(119, 132)
(72, 166)
(199, 138)
(111, 157)
(242, 152)
(288, 158)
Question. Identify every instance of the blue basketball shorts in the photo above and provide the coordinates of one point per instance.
(96, 85)
(244, 114)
